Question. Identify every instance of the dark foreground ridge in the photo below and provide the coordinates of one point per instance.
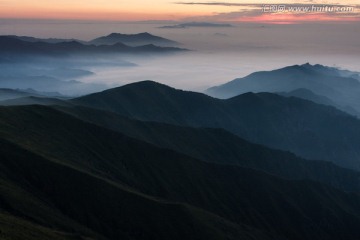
(85, 181)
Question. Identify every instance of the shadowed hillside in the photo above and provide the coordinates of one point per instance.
(307, 129)
(219, 146)
(124, 188)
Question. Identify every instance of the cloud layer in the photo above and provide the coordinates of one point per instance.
(281, 12)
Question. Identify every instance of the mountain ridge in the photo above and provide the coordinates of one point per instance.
(341, 86)
(138, 39)
(265, 118)
(258, 202)
(10, 46)
(220, 146)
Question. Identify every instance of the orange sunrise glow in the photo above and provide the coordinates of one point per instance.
(167, 10)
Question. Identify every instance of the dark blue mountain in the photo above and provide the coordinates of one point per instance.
(63, 178)
(133, 40)
(13, 46)
(342, 87)
(310, 130)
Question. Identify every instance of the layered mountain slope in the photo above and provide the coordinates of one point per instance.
(114, 185)
(49, 200)
(219, 146)
(342, 87)
(307, 129)
(7, 94)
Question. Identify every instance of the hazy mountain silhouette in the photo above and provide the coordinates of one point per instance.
(7, 93)
(92, 182)
(332, 71)
(309, 95)
(47, 85)
(11, 46)
(300, 126)
(139, 39)
(341, 86)
(47, 40)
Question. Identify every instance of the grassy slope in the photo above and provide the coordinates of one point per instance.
(219, 146)
(103, 206)
(293, 209)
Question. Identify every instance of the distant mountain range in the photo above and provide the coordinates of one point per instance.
(133, 40)
(340, 86)
(48, 84)
(47, 40)
(6, 94)
(11, 97)
(31, 100)
(307, 129)
(15, 46)
(306, 94)
(56, 65)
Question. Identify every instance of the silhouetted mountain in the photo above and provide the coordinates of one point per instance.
(309, 130)
(219, 146)
(332, 71)
(94, 182)
(34, 100)
(48, 84)
(47, 40)
(133, 40)
(309, 95)
(7, 93)
(337, 85)
(11, 46)
(35, 93)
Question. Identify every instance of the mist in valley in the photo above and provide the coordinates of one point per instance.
(218, 54)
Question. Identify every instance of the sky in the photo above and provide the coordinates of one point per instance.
(266, 11)
(261, 38)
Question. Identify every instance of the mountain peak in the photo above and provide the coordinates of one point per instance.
(114, 34)
(145, 34)
(307, 65)
(137, 39)
(148, 84)
(72, 43)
